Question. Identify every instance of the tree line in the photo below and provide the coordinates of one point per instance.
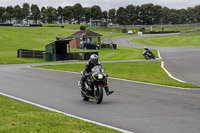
(146, 14)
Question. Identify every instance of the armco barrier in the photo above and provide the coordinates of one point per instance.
(6, 24)
(188, 31)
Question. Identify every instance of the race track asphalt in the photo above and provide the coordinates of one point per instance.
(136, 107)
(182, 62)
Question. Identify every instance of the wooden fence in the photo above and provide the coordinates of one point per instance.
(25, 53)
(21, 53)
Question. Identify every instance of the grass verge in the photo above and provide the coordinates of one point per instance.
(187, 39)
(121, 53)
(18, 117)
(33, 38)
(150, 72)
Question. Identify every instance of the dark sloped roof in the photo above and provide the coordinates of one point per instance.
(85, 33)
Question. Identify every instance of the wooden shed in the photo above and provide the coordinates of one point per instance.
(57, 50)
(84, 35)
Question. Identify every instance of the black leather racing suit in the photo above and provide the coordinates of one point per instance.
(87, 70)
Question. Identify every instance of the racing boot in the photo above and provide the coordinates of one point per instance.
(84, 89)
(108, 92)
(83, 86)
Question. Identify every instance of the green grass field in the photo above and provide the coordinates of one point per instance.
(150, 72)
(18, 117)
(121, 53)
(34, 38)
(187, 39)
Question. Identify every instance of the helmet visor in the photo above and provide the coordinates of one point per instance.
(95, 61)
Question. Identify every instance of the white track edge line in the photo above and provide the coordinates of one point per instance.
(162, 65)
(57, 111)
(168, 73)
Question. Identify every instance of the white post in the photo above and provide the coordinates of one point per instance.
(90, 23)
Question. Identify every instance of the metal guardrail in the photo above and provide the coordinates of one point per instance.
(188, 31)
(159, 26)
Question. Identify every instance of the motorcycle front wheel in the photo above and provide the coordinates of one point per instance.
(99, 94)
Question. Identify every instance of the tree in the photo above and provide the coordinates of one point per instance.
(67, 13)
(121, 16)
(9, 10)
(173, 17)
(35, 13)
(138, 15)
(43, 17)
(147, 14)
(96, 12)
(165, 13)
(87, 14)
(157, 14)
(59, 14)
(182, 16)
(197, 13)
(17, 13)
(50, 14)
(78, 12)
(105, 15)
(2, 10)
(112, 14)
(132, 14)
(5, 16)
(26, 11)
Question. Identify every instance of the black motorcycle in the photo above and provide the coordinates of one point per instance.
(149, 55)
(94, 84)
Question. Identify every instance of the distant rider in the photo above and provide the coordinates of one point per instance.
(93, 61)
(146, 52)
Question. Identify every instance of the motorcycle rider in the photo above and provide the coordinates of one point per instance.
(146, 51)
(93, 61)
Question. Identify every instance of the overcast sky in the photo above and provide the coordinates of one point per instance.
(104, 4)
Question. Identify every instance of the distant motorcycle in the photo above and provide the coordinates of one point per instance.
(94, 85)
(149, 55)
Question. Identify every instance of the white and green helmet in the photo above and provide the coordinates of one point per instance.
(94, 59)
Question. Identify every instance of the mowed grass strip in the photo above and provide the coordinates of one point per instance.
(35, 38)
(18, 117)
(121, 53)
(150, 72)
(186, 39)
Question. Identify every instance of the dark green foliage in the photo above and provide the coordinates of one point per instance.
(146, 14)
